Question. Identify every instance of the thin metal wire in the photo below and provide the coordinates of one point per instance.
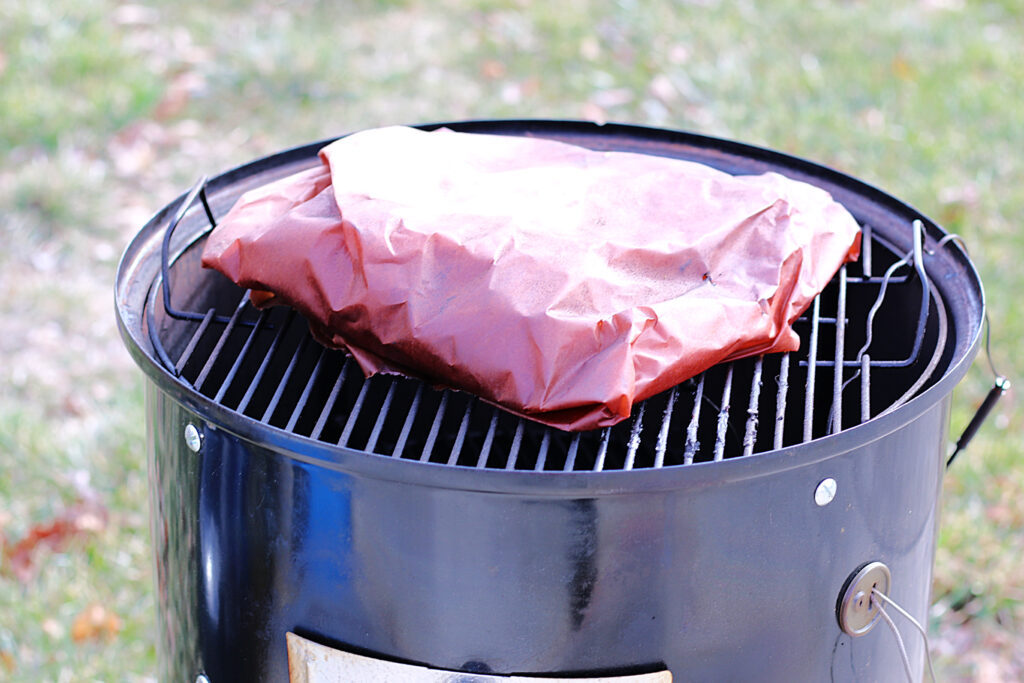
(453, 456)
(988, 350)
(863, 367)
(692, 444)
(158, 346)
(382, 415)
(283, 382)
(634, 437)
(951, 237)
(215, 354)
(899, 643)
(300, 405)
(878, 304)
(226, 384)
(812, 369)
(917, 255)
(723, 415)
(666, 422)
(428, 448)
(329, 404)
(750, 432)
(542, 453)
(198, 190)
(865, 251)
(574, 447)
(920, 629)
(265, 363)
(191, 347)
(865, 388)
(602, 450)
(780, 402)
(407, 425)
(837, 370)
(353, 416)
(163, 283)
(485, 450)
(517, 440)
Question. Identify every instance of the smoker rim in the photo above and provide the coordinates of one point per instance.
(132, 287)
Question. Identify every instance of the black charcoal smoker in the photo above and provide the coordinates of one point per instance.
(754, 523)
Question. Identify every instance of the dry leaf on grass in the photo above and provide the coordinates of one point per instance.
(83, 518)
(95, 622)
(492, 69)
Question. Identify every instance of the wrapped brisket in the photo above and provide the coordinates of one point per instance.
(560, 283)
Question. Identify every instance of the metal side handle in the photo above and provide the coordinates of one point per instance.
(1000, 387)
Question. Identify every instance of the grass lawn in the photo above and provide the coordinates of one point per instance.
(108, 111)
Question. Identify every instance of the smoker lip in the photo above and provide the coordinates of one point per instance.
(135, 276)
(551, 483)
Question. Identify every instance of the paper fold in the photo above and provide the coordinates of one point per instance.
(561, 283)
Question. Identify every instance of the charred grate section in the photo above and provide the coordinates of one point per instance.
(874, 338)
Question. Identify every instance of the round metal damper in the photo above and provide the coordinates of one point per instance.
(856, 610)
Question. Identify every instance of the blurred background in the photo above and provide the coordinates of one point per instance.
(109, 110)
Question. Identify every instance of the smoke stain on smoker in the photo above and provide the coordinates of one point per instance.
(842, 641)
(582, 549)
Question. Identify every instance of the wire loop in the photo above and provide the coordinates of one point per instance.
(899, 639)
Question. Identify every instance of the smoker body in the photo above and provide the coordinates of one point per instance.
(724, 570)
(725, 575)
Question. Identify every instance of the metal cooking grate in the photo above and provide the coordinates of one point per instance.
(878, 322)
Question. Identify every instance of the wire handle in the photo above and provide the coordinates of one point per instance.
(198, 191)
(999, 387)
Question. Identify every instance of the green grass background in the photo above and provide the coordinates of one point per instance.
(109, 110)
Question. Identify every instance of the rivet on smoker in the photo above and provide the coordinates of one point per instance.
(825, 491)
(193, 439)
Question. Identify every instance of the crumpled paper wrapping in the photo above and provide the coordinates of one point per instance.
(560, 283)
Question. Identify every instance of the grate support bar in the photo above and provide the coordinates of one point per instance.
(837, 375)
(328, 407)
(750, 431)
(264, 364)
(812, 371)
(723, 415)
(692, 444)
(666, 423)
(403, 436)
(371, 444)
(780, 402)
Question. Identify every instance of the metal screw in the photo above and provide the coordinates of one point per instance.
(194, 441)
(825, 492)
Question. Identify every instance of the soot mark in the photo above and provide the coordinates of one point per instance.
(582, 555)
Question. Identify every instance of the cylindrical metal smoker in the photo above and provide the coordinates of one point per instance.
(712, 535)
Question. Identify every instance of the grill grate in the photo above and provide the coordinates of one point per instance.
(264, 365)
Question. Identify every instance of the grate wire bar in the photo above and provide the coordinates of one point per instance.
(297, 385)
